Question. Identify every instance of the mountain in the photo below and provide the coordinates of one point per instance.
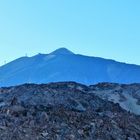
(65, 111)
(64, 65)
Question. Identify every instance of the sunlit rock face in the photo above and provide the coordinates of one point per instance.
(69, 111)
(63, 65)
(128, 96)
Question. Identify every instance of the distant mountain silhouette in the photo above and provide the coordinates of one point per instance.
(64, 65)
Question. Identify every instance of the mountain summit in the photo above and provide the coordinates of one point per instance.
(64, 65)
(62, 51)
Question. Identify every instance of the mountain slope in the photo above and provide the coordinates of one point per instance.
(63, 65)
(66, 110)
(127, 96)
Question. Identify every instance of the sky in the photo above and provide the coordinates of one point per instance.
(103, 28)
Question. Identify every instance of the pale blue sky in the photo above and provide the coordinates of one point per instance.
(105, 28)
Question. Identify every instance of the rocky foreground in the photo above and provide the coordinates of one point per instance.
(68, 111)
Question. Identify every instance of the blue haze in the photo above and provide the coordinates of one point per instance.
(63, 65)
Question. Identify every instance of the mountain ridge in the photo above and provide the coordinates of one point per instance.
(64, 65)
(59, 49)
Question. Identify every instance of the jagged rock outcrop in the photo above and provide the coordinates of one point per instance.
(63, 111)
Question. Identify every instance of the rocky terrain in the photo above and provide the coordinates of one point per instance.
(128, 96)
(69, 111)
